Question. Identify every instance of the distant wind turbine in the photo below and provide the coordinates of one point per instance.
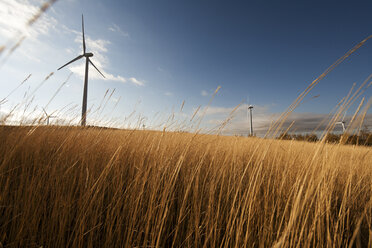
(249, 109)
(342, 123)
(87, 61)
(48, 116)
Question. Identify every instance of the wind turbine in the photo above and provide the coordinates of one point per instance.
(48, 116)
(342, 123)
(87, 61)
(249, 109)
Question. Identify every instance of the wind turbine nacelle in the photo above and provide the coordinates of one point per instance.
(250, 107)
(88, 54)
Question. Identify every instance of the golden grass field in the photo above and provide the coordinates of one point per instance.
(97, 187)
(90, 187)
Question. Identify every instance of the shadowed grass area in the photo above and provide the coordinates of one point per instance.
(66, 186)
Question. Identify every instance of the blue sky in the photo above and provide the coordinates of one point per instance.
(157, 54)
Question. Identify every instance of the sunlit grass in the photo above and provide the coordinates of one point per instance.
(66, 186)
(62, 186)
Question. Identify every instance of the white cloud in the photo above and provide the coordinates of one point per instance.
(15, 15)
(70, 30)
(223, 111)
(263, 119)
(99, 48)
(99, 45)
(167, 93)
(116, 29)
(204, 93)
(136, 81)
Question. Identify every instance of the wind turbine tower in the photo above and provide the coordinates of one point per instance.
(87, 61)
(250, 107)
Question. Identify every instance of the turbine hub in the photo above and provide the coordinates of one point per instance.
(88, 54)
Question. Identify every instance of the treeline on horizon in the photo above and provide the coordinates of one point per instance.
(363, 138)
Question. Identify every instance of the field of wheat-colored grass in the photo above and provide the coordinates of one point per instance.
(74, 187)
(66, 186)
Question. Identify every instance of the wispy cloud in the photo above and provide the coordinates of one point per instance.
(100, 59)
(15, 16)
(136, 81)
(263, 119)
(116, 29)
(69, 50)
(168, 93)
(209, 92)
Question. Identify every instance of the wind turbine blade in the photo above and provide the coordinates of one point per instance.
(82, 27)
(77, 58)
(45, 112)
(96, 68)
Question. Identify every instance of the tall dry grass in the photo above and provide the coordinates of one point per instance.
(73, 187)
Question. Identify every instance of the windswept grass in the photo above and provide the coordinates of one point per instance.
(90, 187)
(73, 187)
